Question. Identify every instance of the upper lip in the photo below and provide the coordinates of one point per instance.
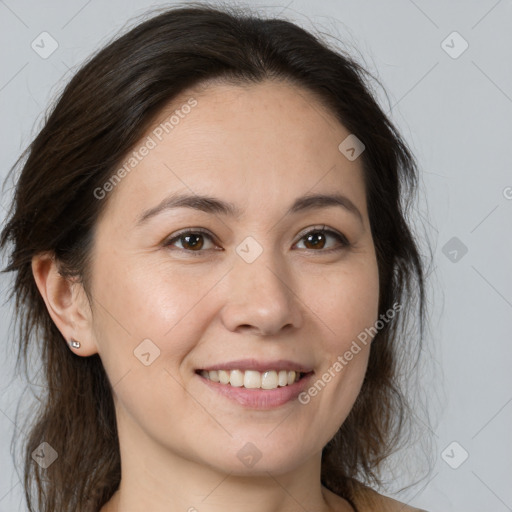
(259, 365)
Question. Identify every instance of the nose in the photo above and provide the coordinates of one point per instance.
(260, 298)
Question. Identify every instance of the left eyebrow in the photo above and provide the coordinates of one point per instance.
(210, 204)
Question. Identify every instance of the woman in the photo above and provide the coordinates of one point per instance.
(208, 237)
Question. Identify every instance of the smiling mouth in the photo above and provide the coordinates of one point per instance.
(252, 379)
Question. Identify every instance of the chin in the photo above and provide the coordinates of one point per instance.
(256, 458)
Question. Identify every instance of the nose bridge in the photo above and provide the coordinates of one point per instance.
(260, 293)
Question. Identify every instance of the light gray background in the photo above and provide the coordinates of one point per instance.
(454, 112)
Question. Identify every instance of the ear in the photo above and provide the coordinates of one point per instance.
(66, 302)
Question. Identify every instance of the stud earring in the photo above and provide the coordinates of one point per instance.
(75, 344)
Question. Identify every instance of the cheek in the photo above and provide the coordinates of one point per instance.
(347, 306)
(145, 302)
(346, 303)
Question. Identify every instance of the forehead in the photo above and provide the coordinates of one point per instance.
(267, 142)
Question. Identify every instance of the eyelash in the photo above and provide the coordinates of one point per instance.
(338, 236)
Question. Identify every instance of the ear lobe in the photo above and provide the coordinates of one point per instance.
(66, 302)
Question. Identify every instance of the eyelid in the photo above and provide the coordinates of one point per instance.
(323, 228)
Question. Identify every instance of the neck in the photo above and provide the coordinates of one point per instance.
(156, 479)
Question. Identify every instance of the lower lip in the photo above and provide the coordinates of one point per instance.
(260, 398)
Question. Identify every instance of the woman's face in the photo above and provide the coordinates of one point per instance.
(254, 287)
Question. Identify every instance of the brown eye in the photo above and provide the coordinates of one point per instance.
(194, 241)
(318, 238)
(315, 240)
(191, 240)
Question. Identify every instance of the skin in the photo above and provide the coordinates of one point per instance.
(259, 147)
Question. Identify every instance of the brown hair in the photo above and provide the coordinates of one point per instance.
(99, 117)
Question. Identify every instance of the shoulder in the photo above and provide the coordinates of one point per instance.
(368, 500)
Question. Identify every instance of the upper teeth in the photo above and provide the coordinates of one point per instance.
(252, 379)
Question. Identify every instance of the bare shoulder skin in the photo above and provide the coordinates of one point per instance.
(369, 500)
